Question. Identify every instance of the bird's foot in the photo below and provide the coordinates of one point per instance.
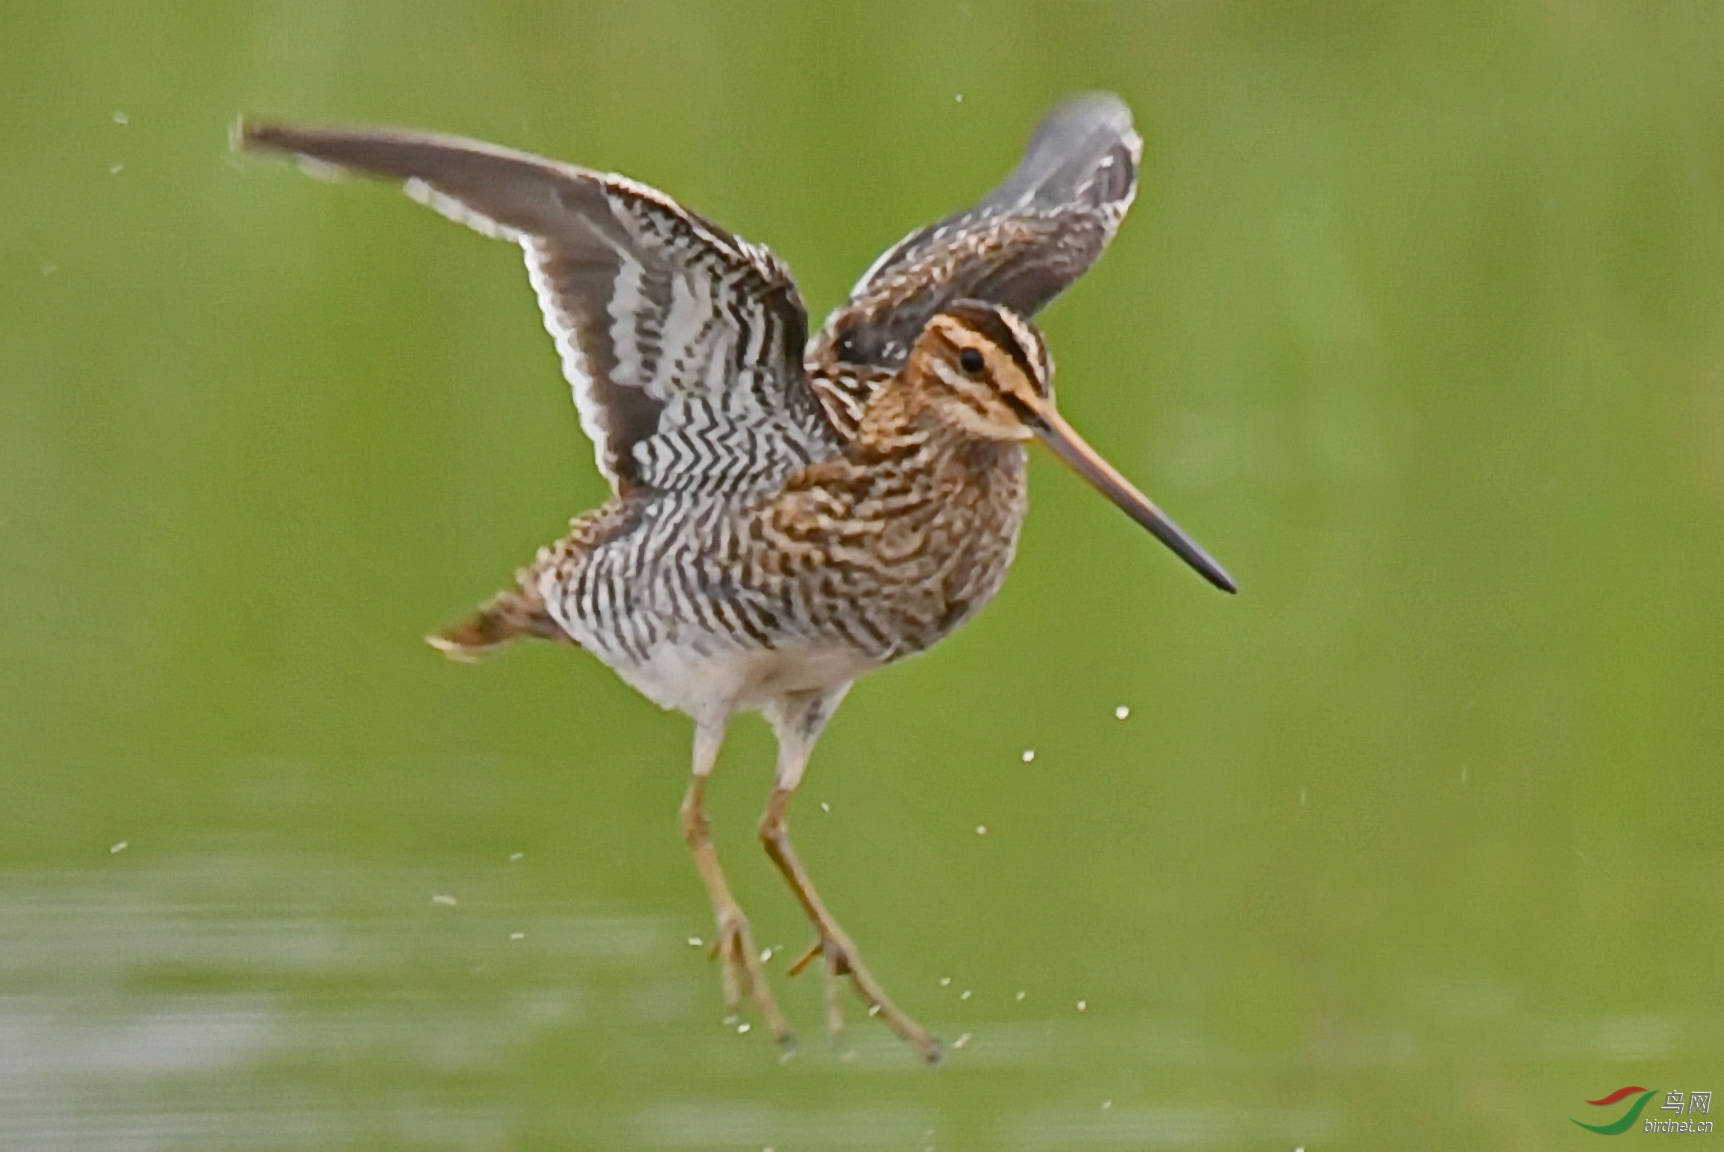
(741, 973)
(841, 960)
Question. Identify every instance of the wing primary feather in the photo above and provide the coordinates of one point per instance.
(646, 302)
(1021, 245)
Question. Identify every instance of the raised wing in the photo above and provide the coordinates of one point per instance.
(1021, 246)
(682, 343)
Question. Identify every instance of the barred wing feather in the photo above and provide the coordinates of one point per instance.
(1021, 246)
(681, 342)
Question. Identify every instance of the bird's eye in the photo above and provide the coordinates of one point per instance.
(970, 360)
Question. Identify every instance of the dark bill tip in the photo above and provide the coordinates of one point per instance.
(1082, 459)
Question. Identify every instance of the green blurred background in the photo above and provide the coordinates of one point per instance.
(1418, 324)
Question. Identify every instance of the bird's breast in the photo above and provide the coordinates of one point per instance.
(892, 554)
(698, 602)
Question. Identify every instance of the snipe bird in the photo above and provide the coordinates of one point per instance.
(784, 517)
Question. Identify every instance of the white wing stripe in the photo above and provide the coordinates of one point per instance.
(575, 367)
(626, 305)
(457, 210)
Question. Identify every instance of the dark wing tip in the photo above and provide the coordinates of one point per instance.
(1021, 245)
(319, 142)
(1101, 115)
(311, 147)
(328, 154)
(1084, 149)
(1087, 109)
(249, 135)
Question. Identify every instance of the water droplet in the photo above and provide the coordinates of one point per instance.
(825, 807)
(964, 995)
(122, 118)
(742, 1029)
(1029, 755)
(445, 901)
(116, 168)
(945, 981)
(765, 955)
(1019, 997)
(517, 935)
(516, 857)
(959, 97)
(1121, 712)
(961, 1041)
(1083, 1005)
(118, 847)
(981, 829)
(695, 941)
(1106, 1104)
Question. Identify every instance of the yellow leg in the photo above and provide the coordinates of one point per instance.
(739, 963)
(797, 721)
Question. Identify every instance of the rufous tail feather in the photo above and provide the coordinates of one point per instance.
(510, 615)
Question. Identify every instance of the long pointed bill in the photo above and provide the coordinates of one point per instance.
(1083, 460)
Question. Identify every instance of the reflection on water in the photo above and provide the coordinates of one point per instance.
(720, 1125)
(241, 997)
(1172, 1128)
(223, 997)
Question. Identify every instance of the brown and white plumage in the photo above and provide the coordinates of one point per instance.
(1020, 246)
(784, 518)
(681, 342)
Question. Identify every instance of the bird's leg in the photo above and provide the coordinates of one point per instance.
(734, 949)
(797, 720)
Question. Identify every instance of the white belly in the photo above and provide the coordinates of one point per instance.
(705, 684)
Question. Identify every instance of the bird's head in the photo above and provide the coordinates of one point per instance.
(981, 367)
(985, 370)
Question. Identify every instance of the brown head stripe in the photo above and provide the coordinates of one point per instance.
(986, 319)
